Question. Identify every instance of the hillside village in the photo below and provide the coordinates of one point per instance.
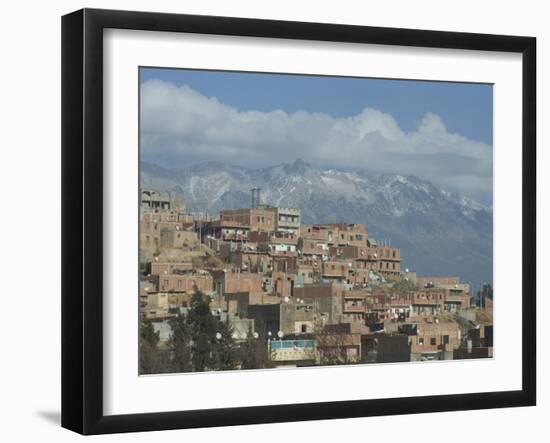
(257, 288)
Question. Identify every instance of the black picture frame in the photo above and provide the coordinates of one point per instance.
(82, 218)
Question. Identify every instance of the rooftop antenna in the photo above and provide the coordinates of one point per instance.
(255, 197)
(253, 200)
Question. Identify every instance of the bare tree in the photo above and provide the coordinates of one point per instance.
(332, 347)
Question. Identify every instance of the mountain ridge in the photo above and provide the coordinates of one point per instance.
(439, 232)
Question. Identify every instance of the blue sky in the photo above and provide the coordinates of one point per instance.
(438, 131)
(465, 108)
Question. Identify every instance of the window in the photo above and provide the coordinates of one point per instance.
(445, 340)
(304, 328)
(432, 341)
(421, 341)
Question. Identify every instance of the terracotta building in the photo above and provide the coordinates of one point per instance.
(262, 218)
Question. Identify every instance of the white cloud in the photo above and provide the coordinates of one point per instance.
(181, 126)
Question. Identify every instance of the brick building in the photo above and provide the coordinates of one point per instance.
(262, 218)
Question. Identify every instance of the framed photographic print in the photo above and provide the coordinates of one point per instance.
(269, 221)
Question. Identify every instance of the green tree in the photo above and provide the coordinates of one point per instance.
(148, 348)
(200, 341)
(180, 343)
(224, 351)
(203, 326)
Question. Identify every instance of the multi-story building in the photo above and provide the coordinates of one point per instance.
(261, 218)
(224, 230)
(310, 247)
(433, 301)
(326, 299)
(384, 260)
(349, 234)
(435, 341)
(152, 199)
(288, 220)
(354, 306)
(283, 284)
(350, 272)
(349, 252)
(230, 281)
(171, 238)
(319, 285)
(283, 244)
(186, 282)
(318, 233)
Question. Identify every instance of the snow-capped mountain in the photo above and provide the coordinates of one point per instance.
(439, 233)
